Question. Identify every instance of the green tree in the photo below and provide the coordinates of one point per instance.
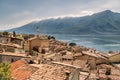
(51, 37)
(14, 34)
(25, 36)
(5, 73)
(5, 33)
(72, 44)
(0, 33)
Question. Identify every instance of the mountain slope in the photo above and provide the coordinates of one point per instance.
(103, 23)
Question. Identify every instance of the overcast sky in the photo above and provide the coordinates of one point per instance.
(15, 13)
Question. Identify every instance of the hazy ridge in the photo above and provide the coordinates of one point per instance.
(102, 23)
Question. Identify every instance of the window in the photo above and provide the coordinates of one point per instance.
(12, 60)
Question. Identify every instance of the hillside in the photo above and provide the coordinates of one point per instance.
(102, 23)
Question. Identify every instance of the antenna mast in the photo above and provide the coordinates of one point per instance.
(38, 30)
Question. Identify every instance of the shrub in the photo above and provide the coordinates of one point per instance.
(51, 37)
(72, 44)
(5, 71)
(14, 34)
(5, 33)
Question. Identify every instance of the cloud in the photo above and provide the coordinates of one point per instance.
(21, 14)
(23, 22)
(18, 24)
(112, 4)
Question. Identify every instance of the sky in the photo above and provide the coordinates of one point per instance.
(15, 13)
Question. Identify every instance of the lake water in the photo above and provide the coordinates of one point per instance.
(101, 43)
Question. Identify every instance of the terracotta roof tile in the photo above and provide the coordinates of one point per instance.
(20, 74)
(17, 64)
(20, 70)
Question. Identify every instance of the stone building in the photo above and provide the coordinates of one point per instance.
(11, 57)
(38, 43)
(15, 40)
(10, 47)
(92, 58)
(115, 58)
(5, 40)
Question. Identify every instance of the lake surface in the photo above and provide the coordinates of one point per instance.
(101, 43)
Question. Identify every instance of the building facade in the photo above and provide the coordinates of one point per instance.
(37, 43)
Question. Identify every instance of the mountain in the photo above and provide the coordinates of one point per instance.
(102, 23)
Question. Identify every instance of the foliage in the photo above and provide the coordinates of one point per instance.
(14, 34)
(25, 36)
(0, 33)
(51, 37)
(5, 71)
(5, 33)
(72, 44)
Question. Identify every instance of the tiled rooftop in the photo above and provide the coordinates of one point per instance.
(20, 70)
(14, 54)
(48, 72)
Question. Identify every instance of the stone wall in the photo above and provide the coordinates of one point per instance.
(4, 39)
(91, 61)
(38, 43)
(16, 41)
(115, 58)
(9, 49)
(9, 58)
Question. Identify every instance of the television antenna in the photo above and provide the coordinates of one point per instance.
(38, 30)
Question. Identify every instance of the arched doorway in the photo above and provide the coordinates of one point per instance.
(36, 48)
